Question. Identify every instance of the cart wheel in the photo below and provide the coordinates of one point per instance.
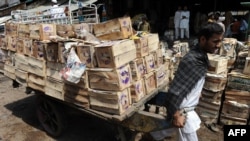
(51, 116)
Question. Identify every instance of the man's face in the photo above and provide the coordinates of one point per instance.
(212, 44)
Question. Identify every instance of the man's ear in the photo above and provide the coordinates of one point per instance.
(203, 39)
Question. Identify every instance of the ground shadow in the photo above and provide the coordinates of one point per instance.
(81, 126)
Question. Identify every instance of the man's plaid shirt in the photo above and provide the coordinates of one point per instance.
(191, 69)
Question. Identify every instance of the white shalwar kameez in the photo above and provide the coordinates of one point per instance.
(192, 123)
(184, 24)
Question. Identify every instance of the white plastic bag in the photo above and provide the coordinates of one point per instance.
(74, 68)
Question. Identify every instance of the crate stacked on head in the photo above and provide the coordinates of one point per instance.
(211, 95)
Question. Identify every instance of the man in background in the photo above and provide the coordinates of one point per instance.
(177, 19)
(184, 23)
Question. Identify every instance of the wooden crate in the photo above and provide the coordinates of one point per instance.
(214, 82)
(229, 120)
(71, 89)
(153, 42)
(9, 71)
(34, 30)
(110, 79)
(36, 86)
(241, 60)
(9, 68)
(239, 81)
(141, 46)
(158, 57)
(11, 28)
(160, 75)
(37, 66)
(42, 31)
(53, 70)
(21, 62)
(150, 82)
(51, 51)
(115, 29)
(54, 88)
(113, 102)
(61, 49)
(150, 63)
(38, 50)
(3, 41)
(246, 69)
(138, 69)
(20, 46)
(86, 54)
(207, 114)
(235, 109)
(137, 90)
(218, 64)
(11, 43)
(65, 30)
(237, 95)
(211, 95)
(36, 79)
(9, 74)
(115, 53)
(228, 47)
(21, 76)
(76, 99)
(23, 28)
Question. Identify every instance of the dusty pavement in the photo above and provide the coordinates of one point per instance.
(18, 121)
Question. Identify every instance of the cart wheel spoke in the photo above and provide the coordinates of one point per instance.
(51, 117)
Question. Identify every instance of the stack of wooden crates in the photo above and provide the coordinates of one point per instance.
(120, 71)
(236, 106)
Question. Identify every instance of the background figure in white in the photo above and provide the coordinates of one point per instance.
(177, 19)
(184, 23)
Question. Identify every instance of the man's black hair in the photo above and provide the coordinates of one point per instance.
(209, 29)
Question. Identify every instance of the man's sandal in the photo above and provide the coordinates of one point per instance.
(212, 126)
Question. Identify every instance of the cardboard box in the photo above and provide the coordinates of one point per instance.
(114, 54)
(115, 29)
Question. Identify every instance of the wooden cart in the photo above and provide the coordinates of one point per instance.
(135, 119)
